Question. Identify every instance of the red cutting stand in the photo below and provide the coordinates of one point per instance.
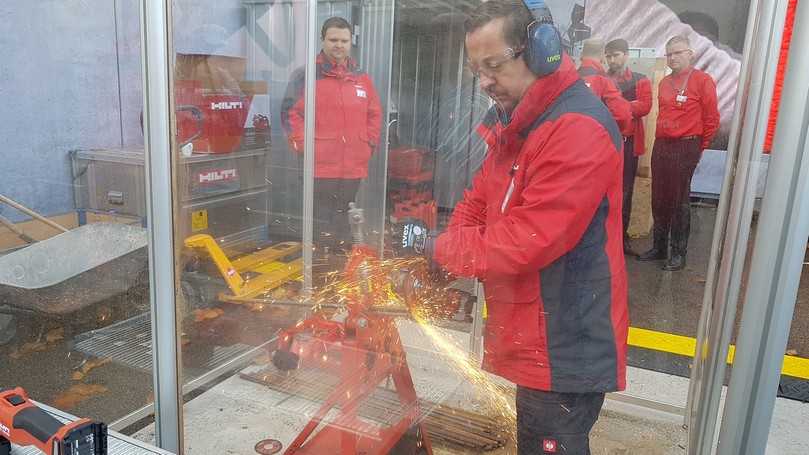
(364, 350)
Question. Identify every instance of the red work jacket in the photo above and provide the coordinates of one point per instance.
(593, 74)
(688, 106)
(541, 227)
(637, 89)
(347, 119)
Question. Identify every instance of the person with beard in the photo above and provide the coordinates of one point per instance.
(637, 90)
(591, 70)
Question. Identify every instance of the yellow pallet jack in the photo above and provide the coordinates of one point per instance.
(253, 275)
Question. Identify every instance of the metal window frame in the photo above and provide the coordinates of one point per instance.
(777, 263)
(312, 40)
(158, 141)
(759, 322)
(156, 58)
(733, 223)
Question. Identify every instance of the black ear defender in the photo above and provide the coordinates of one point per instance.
(543, 48)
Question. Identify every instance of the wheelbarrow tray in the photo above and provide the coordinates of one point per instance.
(75, 269)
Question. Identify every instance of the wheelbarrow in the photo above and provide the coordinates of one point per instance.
(66, 273)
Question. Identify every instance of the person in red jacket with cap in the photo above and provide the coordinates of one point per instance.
(637, 89)
(596, 78)
(540, 226)
(686, 124)
(348, 122)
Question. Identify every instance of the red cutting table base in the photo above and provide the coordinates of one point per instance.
(365, 351)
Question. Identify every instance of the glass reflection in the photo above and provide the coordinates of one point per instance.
(397, 115)
(74, 286)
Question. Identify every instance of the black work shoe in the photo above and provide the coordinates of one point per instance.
(654, 254)
(677, 262)
(628, 249)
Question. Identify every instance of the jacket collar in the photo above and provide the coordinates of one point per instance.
(329, 67)
(683, 73)
(538, 98)
(593, 64)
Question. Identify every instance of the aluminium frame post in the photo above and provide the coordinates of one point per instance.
(733, 222)
(158, 138)
(309, 144)
(776, 266)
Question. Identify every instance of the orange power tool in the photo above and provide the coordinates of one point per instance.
(25, 424)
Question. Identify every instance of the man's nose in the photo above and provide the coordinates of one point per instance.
(485, 81)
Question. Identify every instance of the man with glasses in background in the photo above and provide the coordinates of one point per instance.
(637, 90)
(686, 124)
(541, 227)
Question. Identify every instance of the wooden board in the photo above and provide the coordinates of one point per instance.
(40, 231)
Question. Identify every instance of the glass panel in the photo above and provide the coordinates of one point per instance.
(664, 306)
(74, 275)
(397, 135)
(240, 104)
(793, 391)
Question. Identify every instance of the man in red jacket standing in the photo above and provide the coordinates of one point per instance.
(596, 78)
(637, 89)
(541, 228)
(686, 124)
(347, 128)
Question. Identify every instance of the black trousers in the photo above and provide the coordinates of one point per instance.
(331, 198)
(630, 170)
(673, 165)
(551, 422)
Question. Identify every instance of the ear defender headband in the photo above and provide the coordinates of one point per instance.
(543, 48)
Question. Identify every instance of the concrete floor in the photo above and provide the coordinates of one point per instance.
(245, 413)
(664, 301)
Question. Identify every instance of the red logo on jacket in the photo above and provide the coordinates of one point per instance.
(549, 445)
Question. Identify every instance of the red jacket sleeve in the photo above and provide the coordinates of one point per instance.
(292, 109)
(563, 189)
(618, 106)
(710, 111)
(643, 104)
(374, 127)
(471, 211)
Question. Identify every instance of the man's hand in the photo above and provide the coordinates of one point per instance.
(412, 239)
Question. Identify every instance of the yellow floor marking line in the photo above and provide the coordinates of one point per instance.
(794, 366)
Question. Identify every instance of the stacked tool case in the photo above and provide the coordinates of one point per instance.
(224, 195)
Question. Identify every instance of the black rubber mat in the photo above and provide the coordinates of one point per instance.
(664, 362)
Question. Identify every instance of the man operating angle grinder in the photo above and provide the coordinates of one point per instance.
(541, 228)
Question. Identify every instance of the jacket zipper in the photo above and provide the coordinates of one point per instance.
(512, 172)
(510, 190)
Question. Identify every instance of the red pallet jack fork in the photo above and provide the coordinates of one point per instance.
(364, 350)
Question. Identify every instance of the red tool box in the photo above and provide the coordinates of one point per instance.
(411, 177)
(211, 120)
